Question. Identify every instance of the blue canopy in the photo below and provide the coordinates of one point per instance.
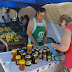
(41, 1)
(12, 4)
(24, 3)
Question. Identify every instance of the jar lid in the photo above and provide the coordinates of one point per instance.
(28, 56)
(45, 47)
(40, 50)
(24, 47)
(22, 61)
(23, 53)
(14, 50)
(35, 54)
(29, 44)
(37, 49)
(32, 49)
(17, 48)
(36, 46)
(44, 55)
(18, 57)
(52, 55)
(44, 50)
(48, 50)
(22, 50)
(49, 56)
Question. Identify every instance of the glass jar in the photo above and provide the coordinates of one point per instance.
(44, 52)
(52, 57)
(48, 51)
(60, 53)
(33, 50)
(33, 46)
(17, 51)
(36, 46)
(37, 50)
(23, 54)
(45, 47)
(34, 58)
(20, 51)
(28, 60)
(18, 57)
(49, 58)
(24, 48)
(29, 48)
(40, 54)
(21, 65)
(14, 54)
(44, 57)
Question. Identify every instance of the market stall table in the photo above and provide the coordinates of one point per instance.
(7, 44)
(41, 66)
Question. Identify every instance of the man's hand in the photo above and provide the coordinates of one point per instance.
(36, 44)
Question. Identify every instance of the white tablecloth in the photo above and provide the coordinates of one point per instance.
(41, 66)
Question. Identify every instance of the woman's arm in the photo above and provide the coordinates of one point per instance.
(29, 30)
(45, 39)
(65, 42)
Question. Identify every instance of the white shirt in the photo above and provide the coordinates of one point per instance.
(6, 17)
(22, 23)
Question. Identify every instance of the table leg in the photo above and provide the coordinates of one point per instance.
(25, 44)
(7, 48)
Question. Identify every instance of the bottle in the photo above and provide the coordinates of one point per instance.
(29, 48)
(21, 65)
(18, 57)
(14, 54)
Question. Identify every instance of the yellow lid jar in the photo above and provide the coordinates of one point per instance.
(18, 57)
(29, 48)
(14, 54)
(21, 64)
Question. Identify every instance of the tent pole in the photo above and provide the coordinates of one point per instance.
(37, 4)
(16, 14)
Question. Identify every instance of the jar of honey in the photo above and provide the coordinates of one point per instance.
(29, 48)
(44, 52)
(23, 54)
(37, 50)
(14, 54)
(34, 58)
(24, 48)
(44, 57)
(28, 60)
(18, 57)
(33, 50)
(47, 52)
(52, 57)
(21, 65)
(40, 54)
(17, 51)
(20, 51)
(49, 58)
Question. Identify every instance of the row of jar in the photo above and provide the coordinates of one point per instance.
(40, 51)
(31, 58)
